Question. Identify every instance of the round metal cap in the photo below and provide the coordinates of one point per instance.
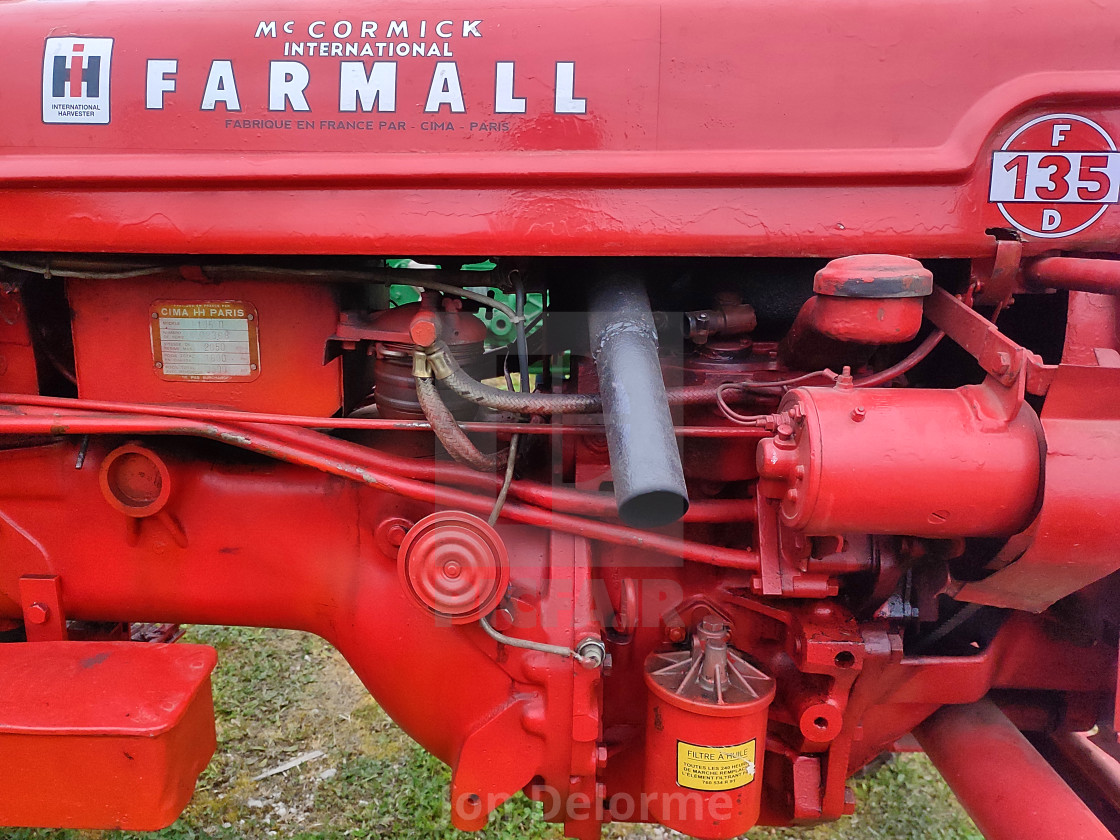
(874, 276)
(135, 481)
(454, 565)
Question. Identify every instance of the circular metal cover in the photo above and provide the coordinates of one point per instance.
(874, 276)
(135, 481)
(454, 565)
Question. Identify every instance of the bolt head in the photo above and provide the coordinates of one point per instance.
(38, 613)
(396, 534)
(423, 330)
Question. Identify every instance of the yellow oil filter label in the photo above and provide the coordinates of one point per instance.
(715, 768)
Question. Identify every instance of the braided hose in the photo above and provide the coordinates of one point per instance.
(453, 438)
(448, 371)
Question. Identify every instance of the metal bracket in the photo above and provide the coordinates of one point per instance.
(41, 599)
(995, 280)
(997, 354)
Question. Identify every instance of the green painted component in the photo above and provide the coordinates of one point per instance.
(501, 327)
(485, 265)
(400, 295)
(561, 367)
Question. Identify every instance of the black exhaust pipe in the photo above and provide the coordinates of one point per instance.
(649, 483)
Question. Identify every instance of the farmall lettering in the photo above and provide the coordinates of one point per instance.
(363, 85)
(1055, 175)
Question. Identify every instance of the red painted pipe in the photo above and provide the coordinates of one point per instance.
(576, 502)
(220, 415)
(1095, 767)
(1076, 274)
(363, 465)
(1010, 791)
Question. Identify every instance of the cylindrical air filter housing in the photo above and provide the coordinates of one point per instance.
(395, 391)
(706, 736)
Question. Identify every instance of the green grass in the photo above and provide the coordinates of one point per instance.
(278, 694)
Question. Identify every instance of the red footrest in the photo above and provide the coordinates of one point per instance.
(102, 734)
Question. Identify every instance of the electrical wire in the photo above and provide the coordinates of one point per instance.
(501, 500)
(522, 345)
(761, 419)
(913, 358)
(484, 300)
(525, 644)
(530, 326)
(43, 345)
(49, 272)
(523, 366)
(871, 380)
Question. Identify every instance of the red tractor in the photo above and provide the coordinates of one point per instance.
(757, 406)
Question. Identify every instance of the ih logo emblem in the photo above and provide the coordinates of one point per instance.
(76, 80)
(1055, 175)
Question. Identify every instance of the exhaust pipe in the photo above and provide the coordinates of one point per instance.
(649, 483)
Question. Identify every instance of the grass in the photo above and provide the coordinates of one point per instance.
(278, 694)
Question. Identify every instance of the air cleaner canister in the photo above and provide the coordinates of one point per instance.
(706, 736)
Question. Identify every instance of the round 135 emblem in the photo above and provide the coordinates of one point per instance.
(1055, 175)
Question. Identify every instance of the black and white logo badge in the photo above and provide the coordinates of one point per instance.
(76, 80)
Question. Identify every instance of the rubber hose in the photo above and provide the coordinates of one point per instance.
(448, 372)
(454, 439)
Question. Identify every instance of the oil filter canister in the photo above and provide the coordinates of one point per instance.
(706, 736)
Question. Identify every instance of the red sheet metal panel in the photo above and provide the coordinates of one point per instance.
(246, 344)
(103, 734)
(557, 128)
(1072, 542)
